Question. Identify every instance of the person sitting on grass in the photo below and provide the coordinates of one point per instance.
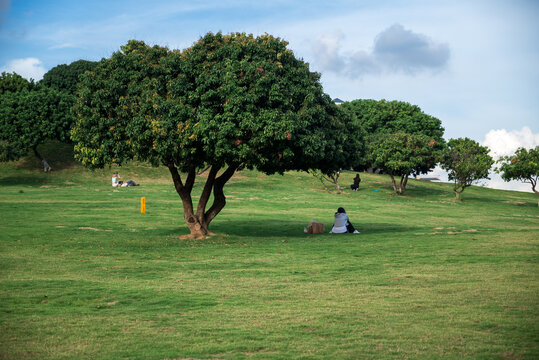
(355, 185)
(342, 224)
(116, 182)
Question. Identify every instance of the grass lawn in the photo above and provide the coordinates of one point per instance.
(84, 275)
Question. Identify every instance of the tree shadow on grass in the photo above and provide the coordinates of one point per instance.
(24, 180)
(281, 229)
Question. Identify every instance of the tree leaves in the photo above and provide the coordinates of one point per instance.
(466, 161)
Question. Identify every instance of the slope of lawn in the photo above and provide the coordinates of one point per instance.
(83, 274)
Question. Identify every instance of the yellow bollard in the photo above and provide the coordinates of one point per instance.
(143, 205)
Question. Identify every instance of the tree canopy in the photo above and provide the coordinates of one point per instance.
(13, 82)
(466, 161)
(378, 119)
(522, 166)
(66, 77)
(227, 102)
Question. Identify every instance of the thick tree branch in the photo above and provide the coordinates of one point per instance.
(219, 199)
(191, 176)
(176, 178)
(206, 192)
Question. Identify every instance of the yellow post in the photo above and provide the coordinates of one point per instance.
(143, 205)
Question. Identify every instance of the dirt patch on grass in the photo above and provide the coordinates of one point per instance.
(514, 202)
(89, 228)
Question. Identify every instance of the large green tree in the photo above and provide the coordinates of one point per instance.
(30, 117)
(466, 162)
(228, 102)
(401, 154)
(380, 118)
(522, 166)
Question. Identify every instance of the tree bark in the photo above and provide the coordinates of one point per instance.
(395, 187)
(219, 199)
(46, 166)
(405, 183)
(196, 228)
(198, 222)
(534, 183)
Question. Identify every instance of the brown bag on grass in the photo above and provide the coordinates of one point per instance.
(315, 228)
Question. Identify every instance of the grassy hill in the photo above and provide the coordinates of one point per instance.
(85, 275)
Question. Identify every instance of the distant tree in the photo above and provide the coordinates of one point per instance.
(29, 118)
(522, 166)
(12, 82)
(34, 113)
(378, 119)
(228, 102)
(401, 155)
(466, 161)
(66, 77)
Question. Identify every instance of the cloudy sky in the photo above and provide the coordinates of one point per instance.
(473, 64)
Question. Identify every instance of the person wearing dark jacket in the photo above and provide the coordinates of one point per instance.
(355, 185)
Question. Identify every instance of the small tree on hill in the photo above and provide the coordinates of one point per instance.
(228, 102)
(522, 166)
(401, 155)
(466, 161)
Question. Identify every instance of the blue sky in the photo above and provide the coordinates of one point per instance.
(472, 64)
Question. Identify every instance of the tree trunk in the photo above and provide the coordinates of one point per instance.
(534, 183)
(405, 182)
(335, 180)
(46, 166)
(394, 183)
(198, 222)
(457, 195)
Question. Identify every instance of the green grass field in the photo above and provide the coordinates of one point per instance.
(84, 275)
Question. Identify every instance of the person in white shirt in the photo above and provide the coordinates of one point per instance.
(342, 224)
(116, 180)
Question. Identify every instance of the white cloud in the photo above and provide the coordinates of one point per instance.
(29, 68)
(62, 46)
(395, 49)
(326, 51)
(502, 142)
(405, 50)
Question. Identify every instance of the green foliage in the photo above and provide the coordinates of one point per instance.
(522, 166)
(30, 117)
(378, 119)
(466, 161)
(66, 77)
(401, 154)
(13, 82)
